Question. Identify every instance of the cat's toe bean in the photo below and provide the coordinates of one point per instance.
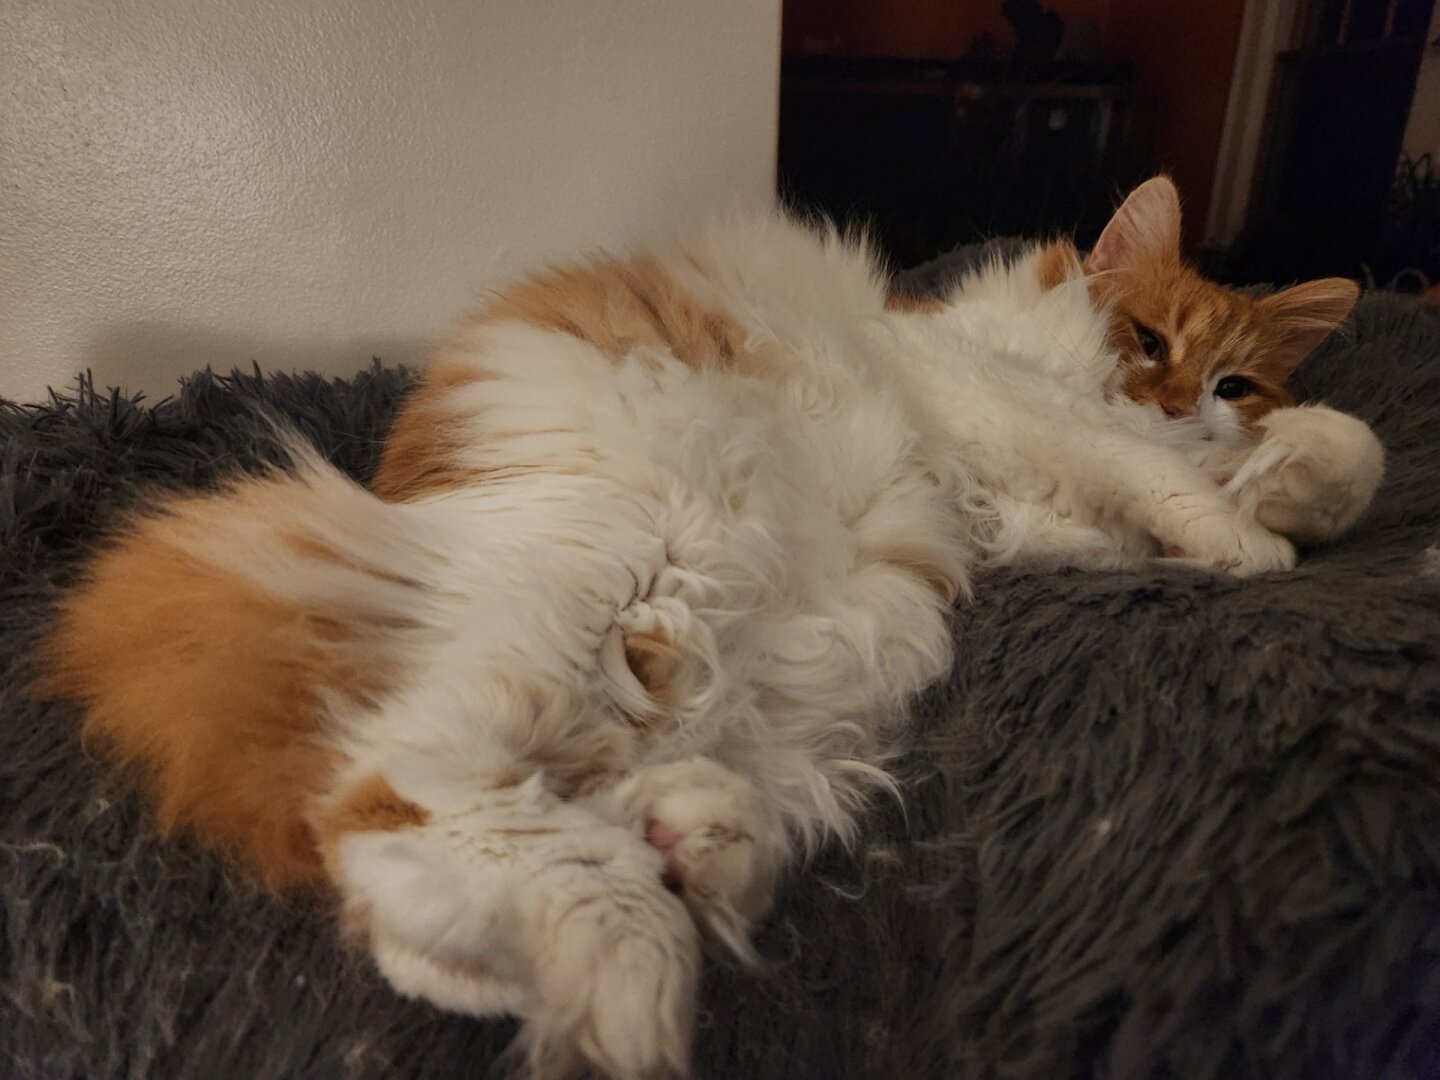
(722, 848)
(664, 839)
(661, 836)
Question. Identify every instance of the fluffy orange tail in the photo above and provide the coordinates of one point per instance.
(210, 687)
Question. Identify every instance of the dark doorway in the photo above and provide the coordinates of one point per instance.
(1327, 201)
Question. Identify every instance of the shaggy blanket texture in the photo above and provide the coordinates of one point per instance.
(1157, 824)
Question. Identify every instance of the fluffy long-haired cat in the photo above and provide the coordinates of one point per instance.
(1219, 360)
(655, 558)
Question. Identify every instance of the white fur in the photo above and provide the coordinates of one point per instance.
(751, 521)
(1312, 475)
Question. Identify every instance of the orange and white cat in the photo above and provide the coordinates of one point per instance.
(1196, 351)
(656, 557)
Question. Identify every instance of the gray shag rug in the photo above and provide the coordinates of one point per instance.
(1158, 825)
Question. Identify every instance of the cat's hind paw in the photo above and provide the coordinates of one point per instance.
(617, 986)
(539, 908)
(722, 850)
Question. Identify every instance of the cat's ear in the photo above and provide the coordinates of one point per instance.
(1301, 317)
(1145, 229)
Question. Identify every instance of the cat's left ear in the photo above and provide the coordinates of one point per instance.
(1303, 316)
(1146, 229)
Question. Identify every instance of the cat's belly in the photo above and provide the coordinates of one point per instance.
(808, 566)
(706, 563)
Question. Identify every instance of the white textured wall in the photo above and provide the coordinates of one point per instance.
(310, 182)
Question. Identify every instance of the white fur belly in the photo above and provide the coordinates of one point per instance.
(801, 633)
(765, 531)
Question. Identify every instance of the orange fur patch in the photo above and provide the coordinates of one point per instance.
(915, 305)
(925, 565)
(422, 450)
(1203, 332)
(652, 659)
(620, 306)
(209, 688)
(616, 306)
(373, 805)
(1056, 263)
(1204, 329)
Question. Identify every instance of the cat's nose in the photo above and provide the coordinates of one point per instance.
(1175, 410)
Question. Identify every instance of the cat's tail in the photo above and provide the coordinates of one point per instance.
(213, 637)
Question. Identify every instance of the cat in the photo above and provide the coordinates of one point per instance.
(1195, 350)
(655, 558)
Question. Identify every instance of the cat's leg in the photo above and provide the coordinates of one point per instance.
(1192, 519)
(1037, 532)
(826, 679)
(877, 635)
(331, 689)
(528, 904)
(1312, 475)
(722, 849)
(1102, 475)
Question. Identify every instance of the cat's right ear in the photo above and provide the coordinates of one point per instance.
(1303, 316)
(1145, 229)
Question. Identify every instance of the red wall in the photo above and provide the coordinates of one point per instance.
(1183, 52)
(906, 28)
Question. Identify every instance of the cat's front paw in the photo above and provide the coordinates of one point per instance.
(1227, 542)
(1313, 474)
(723, 850)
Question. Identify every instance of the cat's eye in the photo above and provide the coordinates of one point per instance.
(1232, 387)
(1149, 341)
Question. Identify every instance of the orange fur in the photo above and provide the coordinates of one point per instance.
(918, 305)
(208, 687)
(372, 805)
(1057, 262)
(621, 306)
(616, 306)
(1204, 330)
(421, 454)
(651, 659)
(925, 565)
(1201, 325)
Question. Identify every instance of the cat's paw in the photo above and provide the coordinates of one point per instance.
(1314, 472)
(1224, 541)
(616, 967)
(542, 909)
(723, 850)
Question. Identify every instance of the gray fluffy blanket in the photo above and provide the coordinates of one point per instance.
(1157, 824)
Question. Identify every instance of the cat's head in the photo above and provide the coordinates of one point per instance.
(1193, 348)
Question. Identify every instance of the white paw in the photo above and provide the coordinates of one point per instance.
(1223, 540)
(722, 849)
(617, 965)
(1313, 474)
(541, 909)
